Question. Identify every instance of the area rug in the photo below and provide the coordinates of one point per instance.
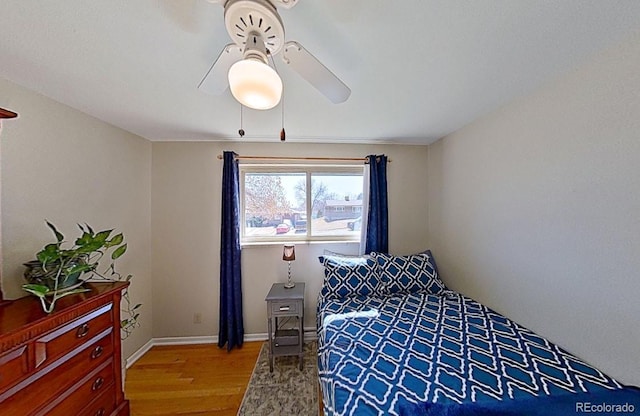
(286, 391)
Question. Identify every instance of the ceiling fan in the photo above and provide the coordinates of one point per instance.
(257, 32)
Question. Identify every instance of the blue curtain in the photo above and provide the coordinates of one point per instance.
(231, 325)
(378, 216)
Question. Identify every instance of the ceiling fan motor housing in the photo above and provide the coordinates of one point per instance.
(256, 30)
(247, 18)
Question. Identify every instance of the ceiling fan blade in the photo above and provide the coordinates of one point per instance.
(315, 72)
(216, 81)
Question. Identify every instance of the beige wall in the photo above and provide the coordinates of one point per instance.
(186, 232)
(535, 211)
(67, 167)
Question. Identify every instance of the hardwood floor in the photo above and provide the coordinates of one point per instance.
(190, 380)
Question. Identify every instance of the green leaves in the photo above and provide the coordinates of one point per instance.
(90, 242)
(38, 290)
(84, 256)
(49, 254)
(103, 235)
(79, 268)
(119, 251)
(56, 265)
(115, 240)
(59, 236)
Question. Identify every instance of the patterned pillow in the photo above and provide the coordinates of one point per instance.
(349, 276)
(409, 274)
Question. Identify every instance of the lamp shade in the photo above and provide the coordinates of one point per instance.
(255, 84)
(289, 253)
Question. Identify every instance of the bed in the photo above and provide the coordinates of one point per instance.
(392, 339)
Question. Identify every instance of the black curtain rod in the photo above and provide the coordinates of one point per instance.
(293, 158)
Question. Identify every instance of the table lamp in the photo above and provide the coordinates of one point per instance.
(289, 255)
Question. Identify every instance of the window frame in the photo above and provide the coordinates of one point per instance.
(309, 170)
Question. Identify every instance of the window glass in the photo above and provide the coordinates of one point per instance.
(301, 202)
(337, 203)
(274, 203)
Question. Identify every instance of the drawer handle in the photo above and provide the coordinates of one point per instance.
(284, 308)
(97, 352)
(100, 412)
(97, 384)
(82, 331)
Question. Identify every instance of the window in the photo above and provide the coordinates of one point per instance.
(300, 202)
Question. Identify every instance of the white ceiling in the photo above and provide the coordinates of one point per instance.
(418, 69)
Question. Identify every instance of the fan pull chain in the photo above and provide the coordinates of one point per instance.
(241, 131)
(283, 134)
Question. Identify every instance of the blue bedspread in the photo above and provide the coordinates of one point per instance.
(425, 354)
(624, 401)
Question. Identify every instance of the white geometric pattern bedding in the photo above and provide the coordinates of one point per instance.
(437, 348)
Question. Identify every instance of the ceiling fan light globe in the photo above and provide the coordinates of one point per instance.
(255, 84)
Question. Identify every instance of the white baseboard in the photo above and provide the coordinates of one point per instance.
(255, 337)
(213, 339)
(139, 353)
(310, 334)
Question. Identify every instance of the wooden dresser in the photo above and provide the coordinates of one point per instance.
(66, 363)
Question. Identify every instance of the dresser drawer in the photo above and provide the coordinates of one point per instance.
(14, 366)
(67, 362)
(103, 405)
(285, 307)
(78, 399)
(53, 345)
(56, 379)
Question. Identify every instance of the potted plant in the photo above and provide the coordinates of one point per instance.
(57, 270)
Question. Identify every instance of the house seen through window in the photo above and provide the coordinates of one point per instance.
(301, 203)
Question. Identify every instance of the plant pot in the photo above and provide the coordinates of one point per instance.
(35, 274)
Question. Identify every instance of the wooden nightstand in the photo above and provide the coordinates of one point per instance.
(283, 307)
